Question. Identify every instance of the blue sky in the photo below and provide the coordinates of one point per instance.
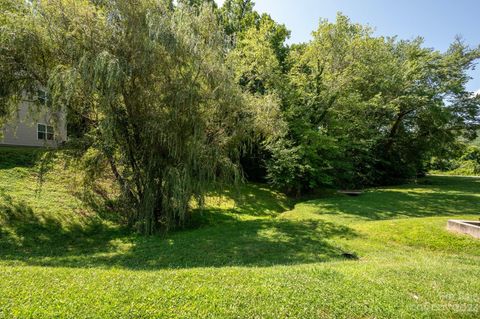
(437, 21)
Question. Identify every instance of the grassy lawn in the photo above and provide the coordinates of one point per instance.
(252, 254)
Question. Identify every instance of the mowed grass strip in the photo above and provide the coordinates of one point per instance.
(253, 253)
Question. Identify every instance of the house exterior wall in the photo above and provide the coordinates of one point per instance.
(22, 129)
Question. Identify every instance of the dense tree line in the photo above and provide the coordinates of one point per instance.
(461, 158)
(170, 98)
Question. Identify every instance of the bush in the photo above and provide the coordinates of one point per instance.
(468, 164)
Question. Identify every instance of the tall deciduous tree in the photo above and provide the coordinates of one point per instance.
(149, 81)
(369, 110)
(258, 57)
(167, 95)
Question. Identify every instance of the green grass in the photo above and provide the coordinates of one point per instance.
(251, 254)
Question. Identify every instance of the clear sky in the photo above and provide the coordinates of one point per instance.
(437, 21)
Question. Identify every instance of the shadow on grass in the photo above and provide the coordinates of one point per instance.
(245, 243)
(26, 234)
(255, 200)
(231, 242)
(435, 196)
(18, 156)
(246, 235)
(466, 185)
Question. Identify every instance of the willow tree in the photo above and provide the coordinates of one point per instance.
(147, 83)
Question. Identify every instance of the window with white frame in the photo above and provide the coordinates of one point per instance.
(45, 132)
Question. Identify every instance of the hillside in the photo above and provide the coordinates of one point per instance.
(252, 253)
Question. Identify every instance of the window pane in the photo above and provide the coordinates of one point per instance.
(41, 131)
(42, 96)
(50, 136)
(50, 129)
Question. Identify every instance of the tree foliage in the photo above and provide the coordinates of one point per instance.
(365, 110)
(169, 97)
(150, 83)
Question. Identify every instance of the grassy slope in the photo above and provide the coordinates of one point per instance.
(251, 254)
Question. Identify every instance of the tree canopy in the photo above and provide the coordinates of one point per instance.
(170, 98)
(150, 84)
(366, 110)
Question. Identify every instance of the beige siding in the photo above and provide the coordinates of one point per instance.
(22, 129)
